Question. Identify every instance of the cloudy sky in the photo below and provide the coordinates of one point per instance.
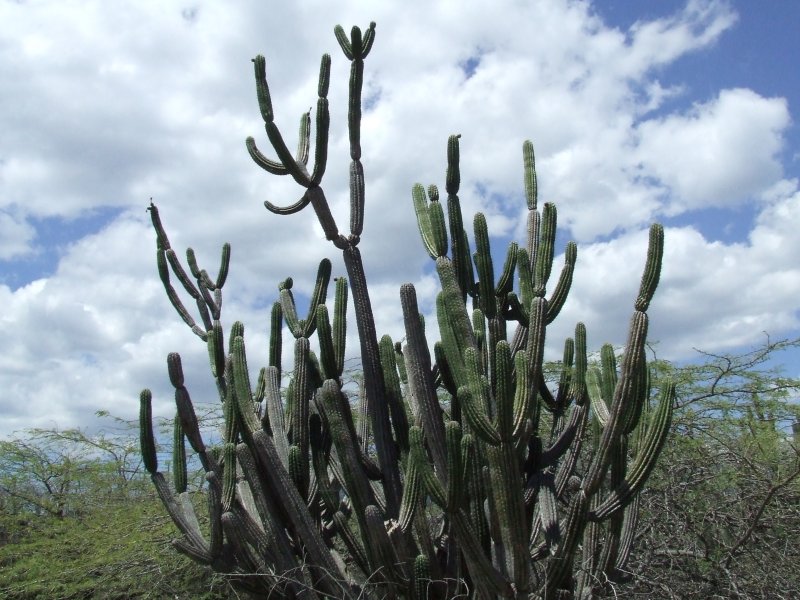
(678, 112)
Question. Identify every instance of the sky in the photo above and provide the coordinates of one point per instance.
(682, 113)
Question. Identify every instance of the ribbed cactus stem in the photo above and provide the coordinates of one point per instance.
(545, 249)
(559, 296)
(147, 440)
(529, 163)
(178, 457)
(418, 367)
(453, 178)
(483, 264)
(229, 477)
(422, 577)
(652, 269)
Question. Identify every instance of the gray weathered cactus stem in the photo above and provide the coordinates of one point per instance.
(464, 472)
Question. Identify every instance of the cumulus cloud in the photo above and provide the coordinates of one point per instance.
(114, 106)
(722, 153)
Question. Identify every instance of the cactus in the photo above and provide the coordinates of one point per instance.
(463, 472)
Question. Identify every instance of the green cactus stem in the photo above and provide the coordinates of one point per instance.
(466, 472)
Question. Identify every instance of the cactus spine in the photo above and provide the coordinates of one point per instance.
(461, 473)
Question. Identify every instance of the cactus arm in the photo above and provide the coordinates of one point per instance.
(477, 563)
(645, 460)
(216, 351)
(567, 465)
(412, 495)
(450, 346)
(317, 297)
(325, 336)
(178, 457)
(565, 438)
(339, 332)
(438, 223)
(343, 437)
(546, 505)
(599, 408)
(229, 476)
(374, 384)
(214, 501)
(300, 407)
(534, 355)
(544, 254)
(473, 400)
(146, 437)
(561, 291)
(174, 299)
(584, 583)
(627, 536)
(418, 367)
(180, 273)
(530, 184)
(277, 478)
(560, 566)
(275, 336)
(394, 396)
(483, 264)
(454, 305)
(344, 43)
(275, 412)
(290, 312)
(455, 468)
(242, 541)
(506, 281)
(292, 209)
(354, 96)
(320, 465)
(356, 199)
(623, 396)
(652, 270)
(323, 120)
(304, 139)
(184, 520)
(382, 550)
(422, 212)
(421, 578)
(577, 388)
(506, 490)
(423, 469)
(269, 165)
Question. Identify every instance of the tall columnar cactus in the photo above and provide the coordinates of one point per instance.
(465, 472)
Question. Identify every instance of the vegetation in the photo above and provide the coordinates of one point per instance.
(476, 472)
(721, 515)
(717, 520)
(463, 473)
(78, 520)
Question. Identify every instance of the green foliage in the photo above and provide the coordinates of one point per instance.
(721, 512)
(78, 520)
(464, 473)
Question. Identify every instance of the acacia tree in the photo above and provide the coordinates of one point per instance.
(55, 472)
(721, 517)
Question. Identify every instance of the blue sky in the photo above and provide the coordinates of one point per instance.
(678, 112)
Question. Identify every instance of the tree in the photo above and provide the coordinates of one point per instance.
(722, 513)
(494, 492)
(78, 520)
(54, 472)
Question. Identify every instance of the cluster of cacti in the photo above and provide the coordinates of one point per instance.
(461, 474)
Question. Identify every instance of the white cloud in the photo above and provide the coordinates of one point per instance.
(114, 105)
(721, 153)
(712, 295)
